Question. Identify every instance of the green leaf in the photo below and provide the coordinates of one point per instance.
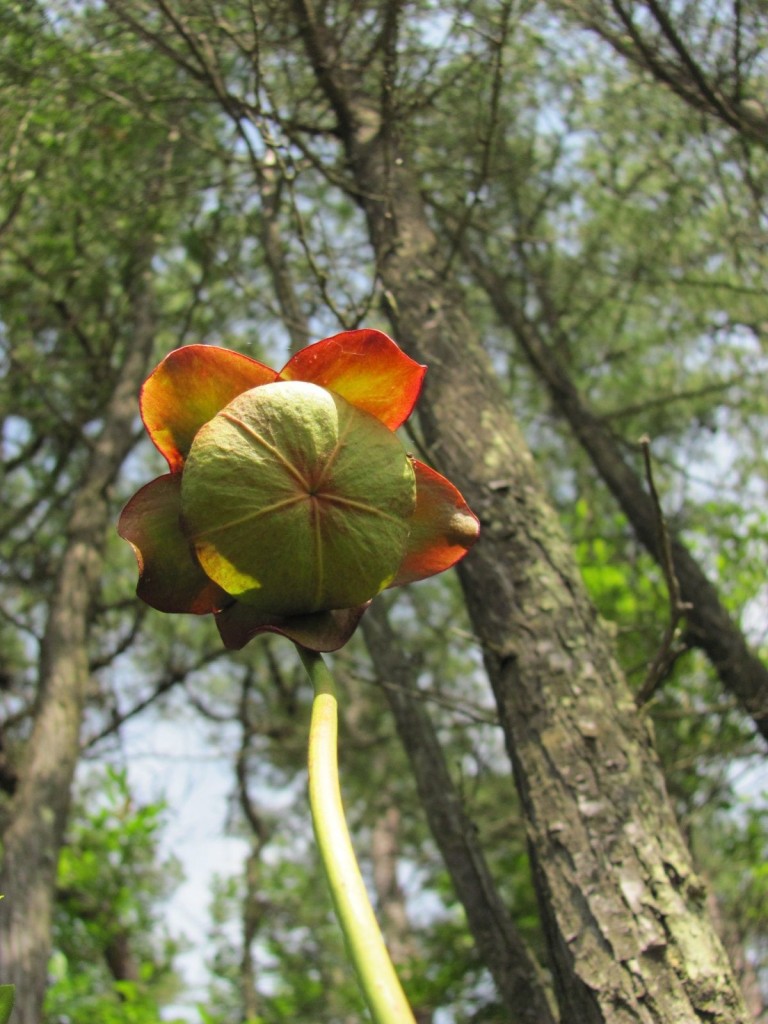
(7, 996)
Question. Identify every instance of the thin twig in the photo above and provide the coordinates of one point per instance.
(670, 648)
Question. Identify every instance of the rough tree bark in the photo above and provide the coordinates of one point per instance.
(709, 626)
(626, 918)
(515, 972)
(252, 905)
(38, 814)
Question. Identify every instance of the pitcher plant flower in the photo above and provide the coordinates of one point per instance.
(290, 502)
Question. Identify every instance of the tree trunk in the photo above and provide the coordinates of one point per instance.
(518, 980)
(626, 918)
(390, 898)
(251, 922)
(252, 908)
(121, 959)
(40, 807)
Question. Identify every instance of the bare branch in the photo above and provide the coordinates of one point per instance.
(669, 648)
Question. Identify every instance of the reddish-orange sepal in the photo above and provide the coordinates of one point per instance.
(188, 388)
(321, 631)
(183, 404)
(367, 369)
(443, 528)
(170, 578)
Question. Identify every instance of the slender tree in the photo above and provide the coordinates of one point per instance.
(515, 971)
(80, 326)
(40, 805)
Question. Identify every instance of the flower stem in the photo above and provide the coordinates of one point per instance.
(378, 980)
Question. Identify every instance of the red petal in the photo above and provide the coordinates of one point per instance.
(323, 631)
(188, 388)
(169, 577)
(367, 369)
(443, 527)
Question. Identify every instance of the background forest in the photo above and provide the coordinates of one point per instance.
(552, 758)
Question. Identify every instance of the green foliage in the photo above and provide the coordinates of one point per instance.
(626, 586)
(7, 995)
(743, 841)
(112, 961)
(301, 965)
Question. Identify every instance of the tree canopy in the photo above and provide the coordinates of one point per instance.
(560, 208)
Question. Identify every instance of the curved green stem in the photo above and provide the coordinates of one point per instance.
(365, 944)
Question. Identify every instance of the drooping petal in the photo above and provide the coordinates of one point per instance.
(322, 631)
(188, 388)
(443, 527)
(367, 368)
(296, 501)
(170, 578)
